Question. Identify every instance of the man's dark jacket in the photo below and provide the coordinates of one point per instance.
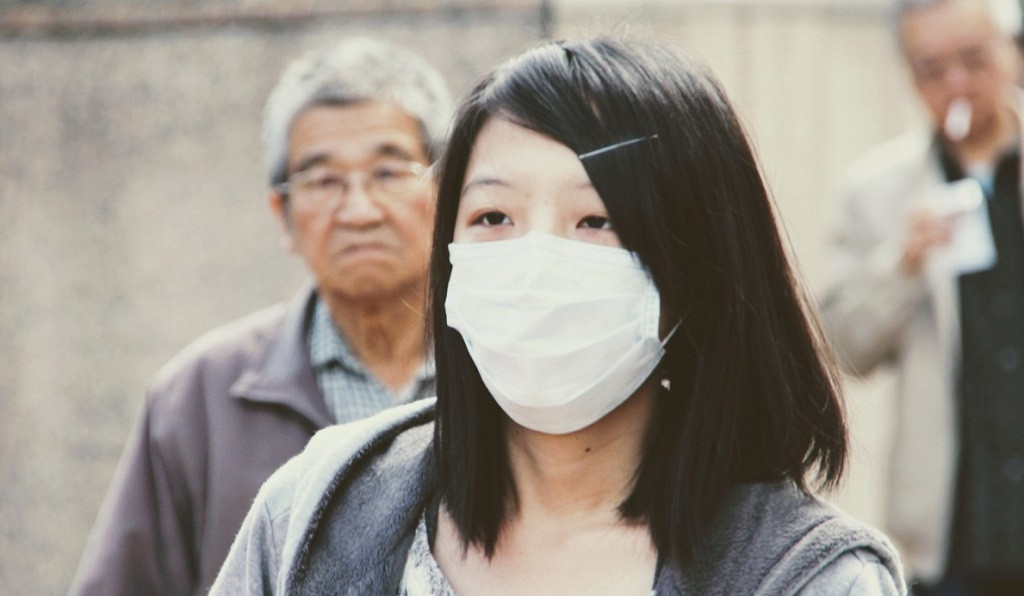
(217, 421)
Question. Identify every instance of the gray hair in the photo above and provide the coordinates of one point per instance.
(1006, 14)
(353, 71)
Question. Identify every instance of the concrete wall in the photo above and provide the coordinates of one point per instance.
(132, 198)
(133, 218)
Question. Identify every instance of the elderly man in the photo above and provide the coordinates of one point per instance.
(929, 276)
(349, 134)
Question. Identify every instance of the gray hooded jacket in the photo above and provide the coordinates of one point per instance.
(339, 519)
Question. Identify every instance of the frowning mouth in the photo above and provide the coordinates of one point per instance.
(364, 249)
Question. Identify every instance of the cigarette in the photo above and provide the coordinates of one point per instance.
(958, 119)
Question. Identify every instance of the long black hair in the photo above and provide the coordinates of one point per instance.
(751, 396)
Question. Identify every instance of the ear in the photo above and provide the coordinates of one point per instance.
(279, 207)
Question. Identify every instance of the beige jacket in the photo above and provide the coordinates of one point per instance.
(875, 315)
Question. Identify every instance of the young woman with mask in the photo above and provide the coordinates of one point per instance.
(631, 396)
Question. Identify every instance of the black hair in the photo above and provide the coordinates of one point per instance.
(752, 394)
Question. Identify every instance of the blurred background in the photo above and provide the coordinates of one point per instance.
(133, 199)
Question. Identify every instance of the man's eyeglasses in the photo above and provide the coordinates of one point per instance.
(972, 59)
(385, 180)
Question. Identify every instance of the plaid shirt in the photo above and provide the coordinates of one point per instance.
(350, 389)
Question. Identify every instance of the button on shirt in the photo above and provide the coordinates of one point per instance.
(350, 389)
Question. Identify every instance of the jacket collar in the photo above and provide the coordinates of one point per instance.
(372, 477)
(281, 372)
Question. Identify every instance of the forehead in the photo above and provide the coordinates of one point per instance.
(518, 154)
(354, 132)
(947, 27)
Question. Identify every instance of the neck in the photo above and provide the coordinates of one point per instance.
(984, 146)
(386, 333)
(586, 474)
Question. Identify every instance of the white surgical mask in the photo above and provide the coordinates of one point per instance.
(561, 331)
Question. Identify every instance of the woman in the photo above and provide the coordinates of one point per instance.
(630, 395)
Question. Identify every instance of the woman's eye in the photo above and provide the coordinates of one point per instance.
(596, 222)
(491, 218)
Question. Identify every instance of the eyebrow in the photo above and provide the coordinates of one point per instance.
(484, 181)
(382, 150)
(310, 161)
(392, 150)
(973, 50)
(970, 50)
(495, 181)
